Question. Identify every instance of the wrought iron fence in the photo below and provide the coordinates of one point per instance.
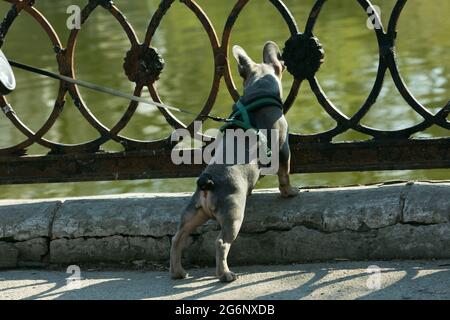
(388, 150)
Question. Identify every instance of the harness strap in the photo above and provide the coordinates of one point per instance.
(243, 112)
(241, 119)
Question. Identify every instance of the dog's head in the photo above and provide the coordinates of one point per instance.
(264, 77)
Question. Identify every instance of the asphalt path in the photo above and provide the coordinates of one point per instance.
(402, 280)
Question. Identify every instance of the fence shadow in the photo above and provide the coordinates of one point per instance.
(330, 281)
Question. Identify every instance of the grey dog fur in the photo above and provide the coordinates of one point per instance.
(222, 189)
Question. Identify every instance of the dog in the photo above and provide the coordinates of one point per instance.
(222, 189)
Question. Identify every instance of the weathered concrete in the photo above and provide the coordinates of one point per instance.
(8, 255)
(21, 221)
(427, 204)
(396, 221)
(109, 249)
(33, 253)
(136, 215)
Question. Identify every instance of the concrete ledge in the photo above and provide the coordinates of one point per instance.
(398, 221)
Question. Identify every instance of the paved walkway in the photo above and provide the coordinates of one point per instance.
(340, 280)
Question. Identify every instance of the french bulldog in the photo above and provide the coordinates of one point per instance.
(222, 189)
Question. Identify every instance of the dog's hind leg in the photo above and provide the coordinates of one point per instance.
(283, 173)
(190, 220)
(231, 224)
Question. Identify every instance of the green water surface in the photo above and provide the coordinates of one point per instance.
(347, 77)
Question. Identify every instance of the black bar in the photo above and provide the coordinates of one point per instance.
(306, 158)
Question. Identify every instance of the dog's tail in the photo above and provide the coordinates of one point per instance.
(205, 182)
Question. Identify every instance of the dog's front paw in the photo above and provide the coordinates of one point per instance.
(179, 275)
(228, 277)
(289, 192)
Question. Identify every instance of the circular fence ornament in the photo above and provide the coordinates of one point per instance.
(7, 80)
(303, 55)
(143, 64)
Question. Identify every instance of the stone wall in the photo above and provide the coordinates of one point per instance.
(397, 221)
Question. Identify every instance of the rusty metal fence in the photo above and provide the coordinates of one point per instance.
(303, 54)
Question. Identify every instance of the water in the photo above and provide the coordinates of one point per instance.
(347, 77)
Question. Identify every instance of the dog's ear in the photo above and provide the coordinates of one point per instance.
(272, 56)
(245, 63)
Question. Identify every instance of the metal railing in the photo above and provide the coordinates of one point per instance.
(388, 150)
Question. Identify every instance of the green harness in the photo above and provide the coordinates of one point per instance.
(240, 118)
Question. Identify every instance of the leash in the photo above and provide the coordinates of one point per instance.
(106, 90)
(238, 119)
